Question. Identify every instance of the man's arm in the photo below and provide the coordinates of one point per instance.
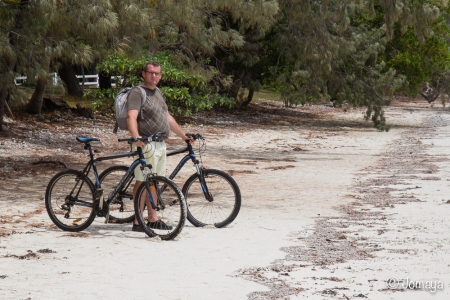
(133, 125)
(175, 128)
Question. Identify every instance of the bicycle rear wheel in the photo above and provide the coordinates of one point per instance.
(121, 209)
(225, 202)
(70, 200)
(171, 208)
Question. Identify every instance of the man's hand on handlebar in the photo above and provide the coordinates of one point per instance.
(189, 139)
(139, 143)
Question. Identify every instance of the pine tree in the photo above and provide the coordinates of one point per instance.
(224, 35)
(311, 49)
(43, 36)
(329, 55)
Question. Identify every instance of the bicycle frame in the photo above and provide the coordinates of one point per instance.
(191, 156)
(92, 164)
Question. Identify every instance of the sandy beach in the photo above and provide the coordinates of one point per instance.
(331, 209)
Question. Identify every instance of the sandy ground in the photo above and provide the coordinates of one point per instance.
(332, 209)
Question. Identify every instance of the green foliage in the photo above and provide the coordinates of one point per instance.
(178, 100)
(336, 50)
(185, 90)
(350, 51)
(174, 74)
(102, 99)
(419, 62)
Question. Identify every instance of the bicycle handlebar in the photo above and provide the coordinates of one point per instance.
(145, 139)
(157, 136)
(196, 136)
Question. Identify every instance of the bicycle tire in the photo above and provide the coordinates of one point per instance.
(172, 212)
(121, 209)
(226, 199)
(76, 213)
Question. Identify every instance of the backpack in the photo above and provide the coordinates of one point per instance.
(120, 107)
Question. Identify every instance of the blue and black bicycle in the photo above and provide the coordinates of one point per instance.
(213, 197)
(73, 201)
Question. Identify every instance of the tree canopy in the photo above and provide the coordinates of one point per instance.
(362, 52)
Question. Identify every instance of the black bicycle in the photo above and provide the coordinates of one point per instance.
(212, 196)
(73, 201)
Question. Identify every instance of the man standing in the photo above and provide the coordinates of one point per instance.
(156, 118)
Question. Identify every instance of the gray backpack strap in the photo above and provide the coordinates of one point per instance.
(144, 97)
(164, 98)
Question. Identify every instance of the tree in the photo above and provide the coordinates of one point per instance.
(311, 50)
(419, 59)
(47, 35)
(67, 74)
(329, 54)
(8, 58)
(226, 35)
(26, 44)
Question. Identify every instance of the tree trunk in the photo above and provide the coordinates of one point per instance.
(251, 92)
(234, 91)
(10, 65)
(3, 95)
(34, 106)
(70, 79)
(104, 81)
(237, 84)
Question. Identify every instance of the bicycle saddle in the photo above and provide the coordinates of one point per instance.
(86, 140)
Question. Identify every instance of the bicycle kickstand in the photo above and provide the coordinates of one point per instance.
(102, 205)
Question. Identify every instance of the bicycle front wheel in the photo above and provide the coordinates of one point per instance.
(170, 212)
(69, 200)
(223, 204)
(121, 209)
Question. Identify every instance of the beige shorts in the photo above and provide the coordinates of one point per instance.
(155, 154)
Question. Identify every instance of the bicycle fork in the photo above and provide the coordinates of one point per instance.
(201, 178)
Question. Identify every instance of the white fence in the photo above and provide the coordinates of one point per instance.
(92, 80)
(19, 80)
(89, 80)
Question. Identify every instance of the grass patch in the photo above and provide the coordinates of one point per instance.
(73, 100)
(263, 95)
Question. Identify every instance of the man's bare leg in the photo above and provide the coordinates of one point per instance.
(152, 216)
